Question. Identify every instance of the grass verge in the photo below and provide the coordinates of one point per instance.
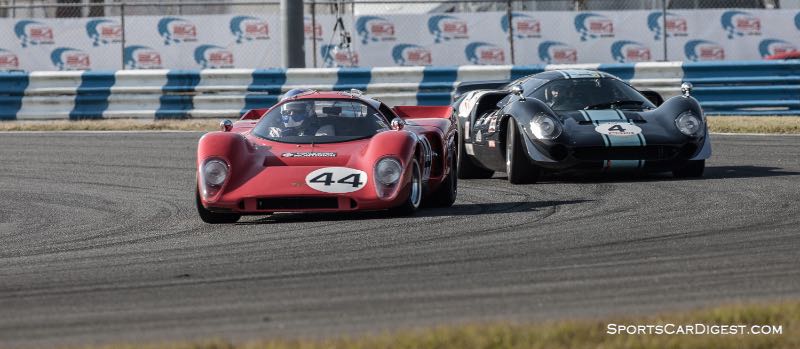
(754, 124)
(724, 124)
(583, 334)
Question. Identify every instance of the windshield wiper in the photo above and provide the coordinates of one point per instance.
(612, 105)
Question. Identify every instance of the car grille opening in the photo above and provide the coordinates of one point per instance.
(297, 203)
(650, 152)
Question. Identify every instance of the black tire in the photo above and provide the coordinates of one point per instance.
(466, 168)
(414, 199)
(519, 168)
(214, 217)
(692, 169)
(445, 195)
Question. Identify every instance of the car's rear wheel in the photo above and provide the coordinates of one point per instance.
(692, 169)
(519, 168)
(445, 196)
(214, 217)
(414, 198)
(466, 168)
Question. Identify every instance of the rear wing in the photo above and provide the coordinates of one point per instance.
(464, 87)
(421, 112)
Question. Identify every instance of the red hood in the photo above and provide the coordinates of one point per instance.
(290, 154)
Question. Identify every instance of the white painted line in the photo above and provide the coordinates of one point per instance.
(103, 131)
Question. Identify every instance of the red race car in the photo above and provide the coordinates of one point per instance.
(327, 151)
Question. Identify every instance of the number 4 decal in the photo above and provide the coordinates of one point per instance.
(616, 127)
(356, 182)
(327, 181)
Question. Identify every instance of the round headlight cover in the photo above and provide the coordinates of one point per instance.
(215, 172)
(388, 171)
(689, 124)
(545, 127)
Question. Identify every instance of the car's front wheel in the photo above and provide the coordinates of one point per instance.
(692, 169)
(214, 217)
(414, 198)
(519, 168)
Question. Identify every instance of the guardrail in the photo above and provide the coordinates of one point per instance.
(727, 88)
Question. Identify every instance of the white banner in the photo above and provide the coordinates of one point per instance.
(253, 41)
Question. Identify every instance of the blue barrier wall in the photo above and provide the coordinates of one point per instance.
(723, 88)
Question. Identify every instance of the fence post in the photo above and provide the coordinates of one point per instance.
(314, 31)
(122, 23)
(664, 27)
(510, 15)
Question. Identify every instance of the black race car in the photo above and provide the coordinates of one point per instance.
(577, 120)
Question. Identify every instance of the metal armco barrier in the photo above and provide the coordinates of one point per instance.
(724, 88)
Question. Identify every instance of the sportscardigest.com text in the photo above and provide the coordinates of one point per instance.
(693, 329)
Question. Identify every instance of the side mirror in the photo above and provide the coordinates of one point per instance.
(225, 126)
(653, 96)
(398, 124)
(517, 90)
(686, 88)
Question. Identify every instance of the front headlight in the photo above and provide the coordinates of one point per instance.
(689, 124)
(388, 171)
(545, 127)
(215, 172)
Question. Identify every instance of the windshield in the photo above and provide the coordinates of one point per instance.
(320, 121)
(574, 94)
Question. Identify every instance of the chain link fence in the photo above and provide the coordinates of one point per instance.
(105, 35)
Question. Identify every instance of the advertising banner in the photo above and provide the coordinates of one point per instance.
(432, 39)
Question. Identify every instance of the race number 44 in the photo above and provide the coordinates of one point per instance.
(337, 180)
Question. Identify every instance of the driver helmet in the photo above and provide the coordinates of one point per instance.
(295, 114)
(555, 93)
(293, 92)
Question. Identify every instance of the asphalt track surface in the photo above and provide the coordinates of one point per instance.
(100, 242)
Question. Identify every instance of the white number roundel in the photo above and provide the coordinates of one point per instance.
(618, 129)
(337, 180)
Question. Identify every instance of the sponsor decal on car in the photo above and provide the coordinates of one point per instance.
(446, 27)
(483, 53)
(213, 57)
(312, 29)
(740, 23)
(66, 58)
(374, 28)
(334, 56)
(104, 31)
(551, 52)
(176, 30)
(524, 26)
(677, 26)
(246, 28)
(337, 180)
(8, 60)
(592, 26)
(768, 47)
(626, 51)
(32, 33)
(309, 155)
(703, 50)
(142, 57)
(410, 54)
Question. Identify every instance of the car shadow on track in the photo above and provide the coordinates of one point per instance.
(711, 172)
(747, 171)
(458, 209)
